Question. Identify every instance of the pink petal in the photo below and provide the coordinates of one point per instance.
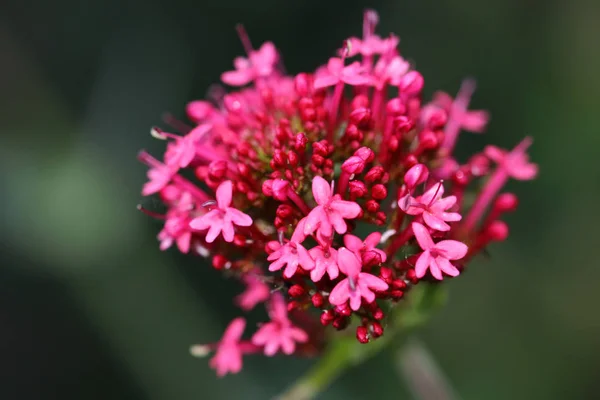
(436, 191)
(291, 268)
(304, 258)
(324, 81)
(338, 223)
(277, 265)
(447, 267)
(444, 204)
(348, 263)
(524, 172)
(227, 230)
(214, 231)
(434, 222)
(314, 219)
(271, 347)
(224, 193)
(340, 293)
(239, 218)
(356, 80)
(278, 308)
(183, 242)
(452, 249)
(422, 264)
(373, 282)
(264, 334)
(475, 121)
(335, 65)
(451, 217)
(321, 190)
(236, 78)
(422, 235)
(234, 330)
(299, 236)
(298, 334)
(495, 154)
(435, 270)
(353, 242)
(205, 221)
(355, 300)
(347, 209)
(373, 239)
(317, 273)
(287, 345)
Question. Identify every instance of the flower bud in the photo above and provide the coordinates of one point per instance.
(372, 206)
(296, 291)
(199, 110)
(326, 317)
(219, 261)
(359, 101)
(506, 202)
(317, 300)
(416, 175)
(362, 334)
(497, 231)
(379, 192)
(303, 84)
(361, 117)
(280, 188)
(378, 314)
(374, 174)
(357, 189)
(395, 107)
(376, 329)
(217, 169)
(353, 165)
(365, 153)
(411, 83)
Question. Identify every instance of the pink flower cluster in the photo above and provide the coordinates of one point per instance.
(328, 194)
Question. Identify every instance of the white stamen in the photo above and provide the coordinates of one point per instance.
(386, 235)
(156, 134)
(200, 350)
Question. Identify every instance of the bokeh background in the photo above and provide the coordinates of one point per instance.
(91, 309)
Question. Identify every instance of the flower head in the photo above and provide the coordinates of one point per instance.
(223, 218)
(437, 256)
(279, 333)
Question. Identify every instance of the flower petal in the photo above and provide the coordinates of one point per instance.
(205, 221)
(321, 190)
(214, 231)
(353, 243)
(347, 209)
(224, 193)
(447, 267)
(340, 293)
(348, 263)
(373, 282)
(234, 330)
(422, 264)
(452, 249)
(239, 218)
(422, 235)
(434, 222)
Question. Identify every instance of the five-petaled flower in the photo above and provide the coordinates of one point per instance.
(366, 249)
(291, 254)
(330, 212)
(432, 207)
(259, 64)
(336, 72)
(228, 358)
(223, 218)
(279, 333)
(357, 285)
(436, 256)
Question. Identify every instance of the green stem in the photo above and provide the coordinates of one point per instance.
(345, 352)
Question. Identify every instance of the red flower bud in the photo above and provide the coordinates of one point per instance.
(376, 329)
(361, 117)
(362, 334)
(357, 189)
(379, 192)
(317, 300)
(506, 202)
(296, 291)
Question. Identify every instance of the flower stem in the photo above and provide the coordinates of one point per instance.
(345, 352)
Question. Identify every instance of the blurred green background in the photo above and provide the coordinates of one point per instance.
(91, 309)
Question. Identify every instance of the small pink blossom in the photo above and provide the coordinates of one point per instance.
(325, 260)
(177, 225)
(366, 249)
(330, 212)
(257, 291)
(516, 162)
(357, 285)
(280, 333)
(389, 71)
(372, 45)
(469, 120)
(228, 358)
(259, 64)
(335, 72)
(181, 152)
(432, 207)
(223, 218)
(160, 176)
(291, 254)
(436, 256)
(416, 175)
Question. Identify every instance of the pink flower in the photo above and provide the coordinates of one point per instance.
(516, 162)
(181, 152)
(228, 358)
(279, 334)
(291, 254)
(436, 256)
(259, 64)
(324, 261)
(366, 249)
(389, 71)
(432, 207)
(357, 285)
(257, 291)
(177, 225)
(221, 219)
(160, 176)
(330, 212)
(335, 72)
